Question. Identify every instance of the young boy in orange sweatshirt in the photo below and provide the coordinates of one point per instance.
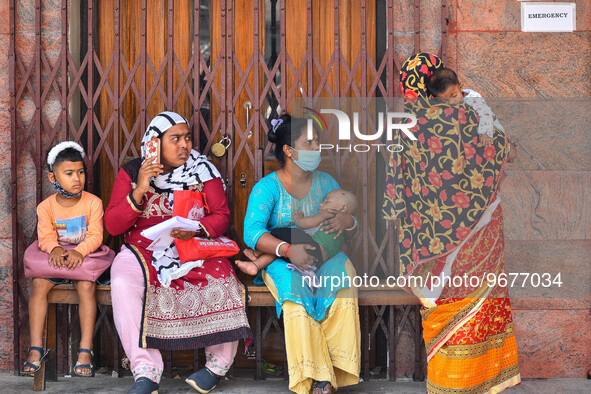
(69, 217)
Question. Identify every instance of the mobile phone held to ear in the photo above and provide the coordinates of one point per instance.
(153, 150)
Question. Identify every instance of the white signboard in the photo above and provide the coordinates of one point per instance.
(548, 17)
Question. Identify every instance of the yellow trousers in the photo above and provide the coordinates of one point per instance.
(326, 350)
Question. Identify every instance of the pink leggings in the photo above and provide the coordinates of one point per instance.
(127, 293)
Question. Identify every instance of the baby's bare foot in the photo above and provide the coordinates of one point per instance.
(250, 254)
(247, 267)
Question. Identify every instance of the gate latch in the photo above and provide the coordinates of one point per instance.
(243, 180)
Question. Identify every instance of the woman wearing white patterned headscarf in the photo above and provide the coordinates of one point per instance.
(159, 302)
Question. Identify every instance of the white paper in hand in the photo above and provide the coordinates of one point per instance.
(160, 233)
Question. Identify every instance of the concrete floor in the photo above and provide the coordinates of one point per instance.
(107, 384)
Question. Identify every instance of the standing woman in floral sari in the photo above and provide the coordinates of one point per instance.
(442, 190)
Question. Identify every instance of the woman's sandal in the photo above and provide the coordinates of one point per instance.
(35, 364)
(82, 366)
(322, 388)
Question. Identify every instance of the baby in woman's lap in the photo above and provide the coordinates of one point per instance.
(307, 230)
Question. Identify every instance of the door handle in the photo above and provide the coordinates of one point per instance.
(247, 106)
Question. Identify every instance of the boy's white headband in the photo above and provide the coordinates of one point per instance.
(52, 155)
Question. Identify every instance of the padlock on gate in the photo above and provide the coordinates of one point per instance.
(220, 148)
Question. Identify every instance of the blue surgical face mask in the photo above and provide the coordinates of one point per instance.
(308, 160)
(63, 192)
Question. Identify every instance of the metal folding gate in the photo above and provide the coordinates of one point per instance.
(228, 66)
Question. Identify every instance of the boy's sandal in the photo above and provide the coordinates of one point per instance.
(36, 365)
(322, 387)
(79, 365)
(203, 380)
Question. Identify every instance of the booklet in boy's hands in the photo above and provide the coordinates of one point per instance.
(160, 233)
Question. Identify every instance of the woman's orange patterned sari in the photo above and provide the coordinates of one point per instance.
(468, 330)
(452, 227)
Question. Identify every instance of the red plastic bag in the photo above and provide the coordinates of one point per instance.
(192, 205)
(189, 204)
(205, 248)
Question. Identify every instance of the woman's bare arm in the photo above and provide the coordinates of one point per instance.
(297, 254)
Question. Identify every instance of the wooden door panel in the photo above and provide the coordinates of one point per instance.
(154, 51)
(323, 52)
(246, 38)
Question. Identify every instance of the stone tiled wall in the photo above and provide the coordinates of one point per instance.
(25, 49)
(546, 200)
(5, 202)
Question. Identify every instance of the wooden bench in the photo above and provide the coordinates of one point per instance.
(379, 298)
(259, 297)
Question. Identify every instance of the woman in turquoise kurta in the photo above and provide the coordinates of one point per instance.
(321, 328)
